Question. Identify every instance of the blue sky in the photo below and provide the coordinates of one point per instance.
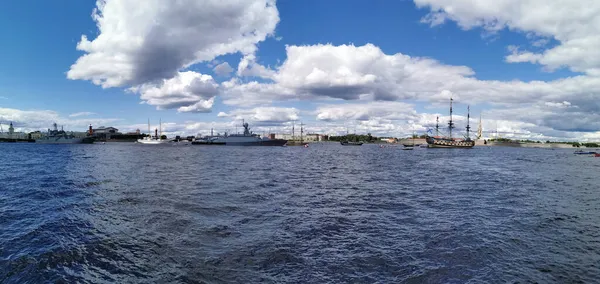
(483, 56)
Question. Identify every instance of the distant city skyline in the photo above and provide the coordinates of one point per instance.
(530, 68)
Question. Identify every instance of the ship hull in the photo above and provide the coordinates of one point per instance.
(208, 143)
(295, 143)
(270, 142)
(351, 143)
(63, 140)
(433, 142)
(153, 142)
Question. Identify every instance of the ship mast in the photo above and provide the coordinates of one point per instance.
(149, 133)
(468, 119)
(301, 131)
(450, 123)
(479, 129)
(160, 128)
(437, 126)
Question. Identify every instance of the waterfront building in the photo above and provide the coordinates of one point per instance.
(310, 137)
(11, 134)
(103, 132)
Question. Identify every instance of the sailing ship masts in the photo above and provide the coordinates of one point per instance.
(437, 126)
(160, 128)
(450, 123)
(468, 119)
(301, 131)
(479, 129)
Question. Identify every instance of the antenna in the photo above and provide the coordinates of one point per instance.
(160, 127)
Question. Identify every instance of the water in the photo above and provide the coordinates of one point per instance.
(125, 213)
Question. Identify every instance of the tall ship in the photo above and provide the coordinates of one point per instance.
(156, 139)
(246, 139)
(295, 142)
(447, 141)
(55, 136)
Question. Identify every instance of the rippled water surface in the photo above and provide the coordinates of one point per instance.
(126, 213)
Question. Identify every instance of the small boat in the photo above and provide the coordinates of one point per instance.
(350, 143)
(596, 154)
(581, 152)
(410, 146)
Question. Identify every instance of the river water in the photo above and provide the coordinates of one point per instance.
(126, 213)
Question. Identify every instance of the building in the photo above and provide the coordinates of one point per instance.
(310, 137)
(103, 132)
(36, 135)
(11, 134)
(106, 130)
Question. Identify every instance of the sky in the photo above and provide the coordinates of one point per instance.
(529, 68)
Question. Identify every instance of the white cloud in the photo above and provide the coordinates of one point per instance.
(558, 104)
(187, 92)
(249, 68)
(84, 113)
(264, 114)
(366, 73)
(223, 69)
(574, 23)
(150, 43)
(362, 74)
(254, 93)
(350, 73)
(32, 120)
(366, 111)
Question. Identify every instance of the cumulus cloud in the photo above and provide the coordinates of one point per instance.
(558, 116)
(350, 73)
(575, 24)
(144, 45)
(187, 92)
(249, 68)
(237, 93)
(366, 73)
(223, 69)
(366, 111)
(264, 114)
